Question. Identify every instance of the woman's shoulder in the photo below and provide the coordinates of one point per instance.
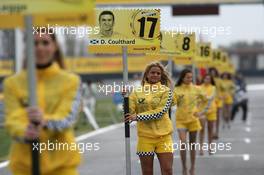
(15, 78)
(69, 76)
(166, 88)
(162, 90)
(177, 89)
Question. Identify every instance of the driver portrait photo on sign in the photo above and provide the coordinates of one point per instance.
(107, 24)
(139, 29)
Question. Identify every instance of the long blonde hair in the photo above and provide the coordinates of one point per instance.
(165, 78)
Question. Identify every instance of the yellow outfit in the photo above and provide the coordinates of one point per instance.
(228, 91)
(1, 96)
(149, 146)
(211, 113)
(151, 103)
(59, 97)
(219, 92)
(187, 98)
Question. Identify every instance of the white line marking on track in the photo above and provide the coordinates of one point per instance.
(248, 129)
(245, 157)
(98, 132)
(247, 140)
(255, 87)
(4, 164)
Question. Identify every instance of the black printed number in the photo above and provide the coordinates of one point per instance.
(205, 51)
(143, 24)
(186, 43)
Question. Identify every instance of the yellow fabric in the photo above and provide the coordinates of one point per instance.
(1, 96)
(150, 99)
(56, 90)
(228, 91)
(219, 90)
(210, 92)
(228, 99)
(219, 103)
(187, 99)
(64, 171)
(157, 145)
(192, 126)
(211, 116)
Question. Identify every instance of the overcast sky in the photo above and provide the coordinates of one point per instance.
(243, 22)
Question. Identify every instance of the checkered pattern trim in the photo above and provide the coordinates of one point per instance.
(68, 121)
(145, 153)
(159, 114)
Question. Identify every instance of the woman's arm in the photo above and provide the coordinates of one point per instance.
(132, 103)
(16, 120)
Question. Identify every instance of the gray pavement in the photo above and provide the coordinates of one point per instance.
(245, 158)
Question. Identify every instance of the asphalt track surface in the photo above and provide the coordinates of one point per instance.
(245, 158)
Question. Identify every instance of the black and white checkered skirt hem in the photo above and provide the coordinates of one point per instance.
(145, 153)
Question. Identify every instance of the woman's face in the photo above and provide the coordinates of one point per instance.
(45, 49)
(187, 78)
(213, 73)
(225, 77)
(207, 80)
(154, 75)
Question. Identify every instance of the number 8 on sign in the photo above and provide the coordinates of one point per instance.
(144, 24)
(186, 43)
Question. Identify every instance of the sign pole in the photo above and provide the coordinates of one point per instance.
(193, 71)
(31, 76)
(126, 110)
(170, 66)
(170, 70)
